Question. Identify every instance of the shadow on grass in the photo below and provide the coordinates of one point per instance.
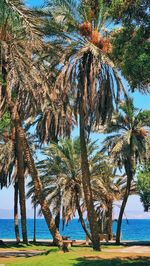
(25, 254)
(97, 261)
(22, 250)
(21, 245)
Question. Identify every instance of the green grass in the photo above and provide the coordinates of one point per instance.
(78, 256)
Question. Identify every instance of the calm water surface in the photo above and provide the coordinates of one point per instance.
(134, 230)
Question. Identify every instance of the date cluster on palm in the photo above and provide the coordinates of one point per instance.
(143, 132)
(94, 36)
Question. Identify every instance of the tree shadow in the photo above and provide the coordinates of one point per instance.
(22, 250)
(21, 245)
(127, 261)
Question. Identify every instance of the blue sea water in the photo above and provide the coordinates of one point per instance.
(134, 230)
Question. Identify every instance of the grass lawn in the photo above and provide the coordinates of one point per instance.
(79, 256)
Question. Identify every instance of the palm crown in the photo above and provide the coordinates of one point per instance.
(21, 43)
(131, 134)
(85, 66)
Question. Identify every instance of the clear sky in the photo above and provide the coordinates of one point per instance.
(134, 208)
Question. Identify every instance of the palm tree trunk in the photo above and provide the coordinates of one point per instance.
(38, 193)
(129, 168)
(21, 181)
(19, 153)
(32, 168)
(122, 209)
(81, 215)
(16, 212)
(83, 223)
(57, 220)
(34, 236)
(109, 220)
(22, 200)
(57, 217)
(92, 217)
(34, 174)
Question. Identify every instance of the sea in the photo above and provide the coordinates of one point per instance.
(133, 230)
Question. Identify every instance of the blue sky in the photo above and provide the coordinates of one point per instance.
(134, 208)
(34, 3)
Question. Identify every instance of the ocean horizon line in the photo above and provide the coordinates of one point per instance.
(42, 218)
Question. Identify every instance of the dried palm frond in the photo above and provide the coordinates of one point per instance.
(24, 81)
(7, 162)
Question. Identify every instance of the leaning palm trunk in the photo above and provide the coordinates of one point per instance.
(129, 168)
(16, 212)
(87, 184)
(122, 209)
(38, 193)
(82, 222)
(81, 214)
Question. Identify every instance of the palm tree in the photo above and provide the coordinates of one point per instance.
(107, 187)
(62, 181)
(128, 146)
(61, 178)
(87, 76)
(23, 87)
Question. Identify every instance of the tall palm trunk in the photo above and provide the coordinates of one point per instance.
(33, 172)
(18, 147)
(21, 180)
(92, 217)
(34, 234)
(16, 224)
(129, 168)
(109, 220)
(31, 165)
(57, 219)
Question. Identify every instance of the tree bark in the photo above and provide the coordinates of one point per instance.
(34, 234)
(92, 217)
(57, 220)
(16, 225)
(21, 180)
(129, 168)
(109, 220)
(57, 217)
(122, 209)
